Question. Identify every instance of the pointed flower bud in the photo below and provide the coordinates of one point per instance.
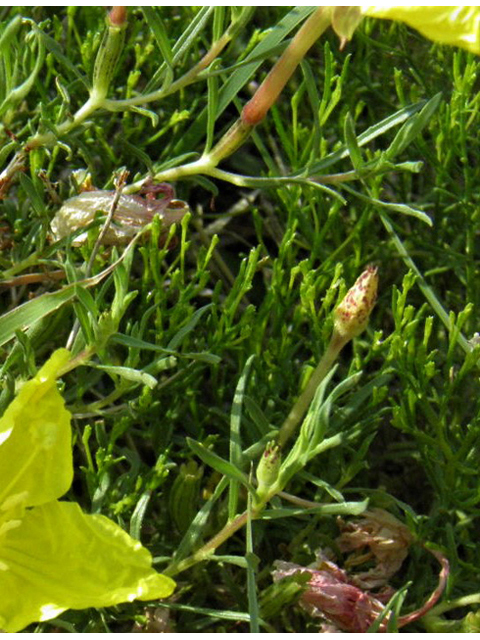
(352, 314)
(117, 16)
(108, 55)
(268, 468)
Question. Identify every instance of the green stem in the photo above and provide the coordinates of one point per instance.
(300, 408)
(50, 138)
(202, 554)
(201, 166)
(294, 417)
(464, 601)
(192, 75)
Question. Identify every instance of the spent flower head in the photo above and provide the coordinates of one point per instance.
(377, 536)
(331, 595)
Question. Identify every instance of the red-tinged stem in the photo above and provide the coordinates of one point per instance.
(267, 93)
(256, 109)
(434, 598)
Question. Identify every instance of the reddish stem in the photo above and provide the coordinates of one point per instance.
(256, 109)
(442, 581)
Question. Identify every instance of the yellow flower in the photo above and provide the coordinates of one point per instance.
(53, 556)
(459, 26)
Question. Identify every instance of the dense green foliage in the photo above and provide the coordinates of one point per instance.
(254, 271)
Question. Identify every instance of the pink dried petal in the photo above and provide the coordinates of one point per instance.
(330, 595)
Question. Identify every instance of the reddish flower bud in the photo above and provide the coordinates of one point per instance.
(352, 314)
(117, 16)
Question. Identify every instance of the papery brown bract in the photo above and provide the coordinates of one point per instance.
(131, 215)
(379, 536)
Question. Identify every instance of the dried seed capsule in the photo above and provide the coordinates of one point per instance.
(131, 215)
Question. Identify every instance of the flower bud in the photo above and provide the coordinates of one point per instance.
(108, 54)
(117, 16)
(352, 314)
(185, 494)
(268, 468)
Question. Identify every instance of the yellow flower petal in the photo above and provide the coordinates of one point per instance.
(59, 558)
(36, 442)
(459, 26)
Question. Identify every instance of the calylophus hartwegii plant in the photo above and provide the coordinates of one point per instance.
(21, 511)
(350, 319)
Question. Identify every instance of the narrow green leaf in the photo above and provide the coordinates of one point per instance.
(212, 102)
(32, 191)
(9, 32)
(30, 312)
(87, 300)
(273, 37)
(219, 464)
(413, 127)
(21, 91)
(252, 565)
(405, 209)
(181, 47)
(139, 514)
(424, 287)
(239, 561)
(155, 23)
(187, 328)
(352, 143)
(342, 508)
(235, 437)
(367, 136)
(57, 52)
(221, 614)
(257, 415)
(196, 528)
(137, 343)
